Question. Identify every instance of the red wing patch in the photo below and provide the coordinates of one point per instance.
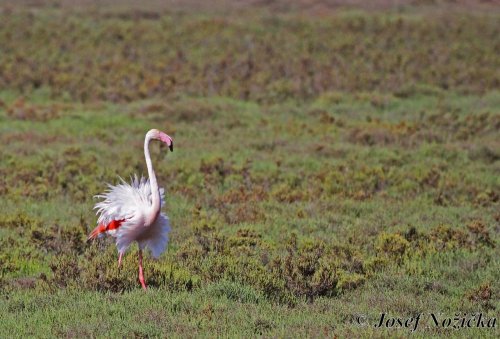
(113, 225)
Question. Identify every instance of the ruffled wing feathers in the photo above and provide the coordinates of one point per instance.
(126, 201)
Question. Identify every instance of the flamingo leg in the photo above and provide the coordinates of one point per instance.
(141, 273)
(120, 259)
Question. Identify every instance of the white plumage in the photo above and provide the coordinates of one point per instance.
(130, 202)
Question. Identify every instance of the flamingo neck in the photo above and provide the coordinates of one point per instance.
(155, 193)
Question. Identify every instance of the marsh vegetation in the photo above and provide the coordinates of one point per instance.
(326, 166)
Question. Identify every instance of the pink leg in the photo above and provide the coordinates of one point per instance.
(120, 259)
(141, 273)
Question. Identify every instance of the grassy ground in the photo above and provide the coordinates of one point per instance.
(327, 169)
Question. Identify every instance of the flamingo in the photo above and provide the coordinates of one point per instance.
(132, 212)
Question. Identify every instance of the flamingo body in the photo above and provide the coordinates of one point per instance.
(122, 214)
(132, 212)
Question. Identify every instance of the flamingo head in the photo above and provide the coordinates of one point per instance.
(163, 137)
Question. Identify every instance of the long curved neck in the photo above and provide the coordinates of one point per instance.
(155, 193)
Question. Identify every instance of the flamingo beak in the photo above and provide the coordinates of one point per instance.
(167, 140)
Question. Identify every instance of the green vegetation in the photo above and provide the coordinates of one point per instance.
(325, 167)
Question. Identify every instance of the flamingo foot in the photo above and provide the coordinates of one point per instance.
(141, 272)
